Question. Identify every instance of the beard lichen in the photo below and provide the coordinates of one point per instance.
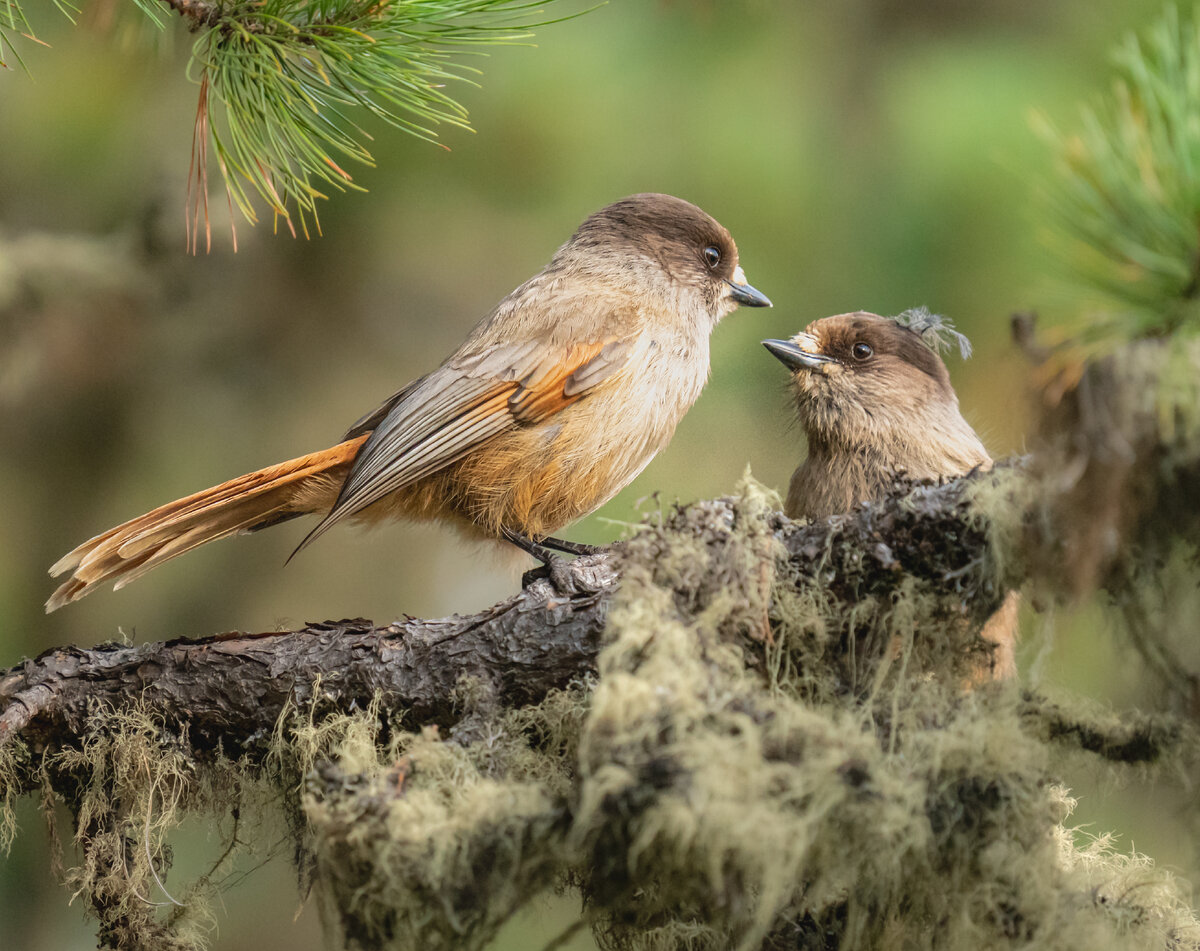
(777, 752)
(14, 765)
(129, 783)
(728, 803)
(423, 843)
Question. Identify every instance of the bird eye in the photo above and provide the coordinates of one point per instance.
(712, 255)
(862, 351)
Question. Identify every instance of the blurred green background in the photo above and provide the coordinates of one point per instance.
(872, 154)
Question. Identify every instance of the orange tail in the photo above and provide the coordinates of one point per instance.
(296, 487)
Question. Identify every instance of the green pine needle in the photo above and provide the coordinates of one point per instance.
(14, 24)
(1127, 198)
(285, 86)
(283, 81)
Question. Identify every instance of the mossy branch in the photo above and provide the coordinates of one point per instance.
(963, 543)
(230, 688)
(738, 730)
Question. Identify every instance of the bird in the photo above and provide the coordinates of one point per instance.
(874, 398)
(556, 400)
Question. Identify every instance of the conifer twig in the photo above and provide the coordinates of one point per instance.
(288, 88)
(200, 12)
(1126, 199)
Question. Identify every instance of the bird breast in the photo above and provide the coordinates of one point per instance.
(539, 478)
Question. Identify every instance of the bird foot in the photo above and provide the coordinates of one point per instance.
(555, 570)
(571, 548)
(563, 577)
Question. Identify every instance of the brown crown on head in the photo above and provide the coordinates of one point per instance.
(665, 228)
(838, 338)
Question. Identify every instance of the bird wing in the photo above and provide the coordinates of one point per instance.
(442, 417)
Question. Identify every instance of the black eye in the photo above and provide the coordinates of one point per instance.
(862, 351)
(712, 255)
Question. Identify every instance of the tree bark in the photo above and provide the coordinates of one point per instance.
(229, 689)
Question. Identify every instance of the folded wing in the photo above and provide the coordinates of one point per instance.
(461, 405)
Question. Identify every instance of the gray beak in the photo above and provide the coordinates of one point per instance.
(792, 357)
(747, 295)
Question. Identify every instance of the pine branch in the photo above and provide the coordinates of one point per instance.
(201, 13)
(287, 87)
(1126, 200)
(284, 81)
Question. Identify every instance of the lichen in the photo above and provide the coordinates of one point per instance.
(722, 804)
(782, 748)
(14, 758)
(422, 842)
(129, 783)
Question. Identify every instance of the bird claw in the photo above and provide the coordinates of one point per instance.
(534, 574)
(562, 577)
(555, 570)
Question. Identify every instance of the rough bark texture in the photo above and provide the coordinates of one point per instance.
(231, 688)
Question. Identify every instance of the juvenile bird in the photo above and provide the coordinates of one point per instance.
(556, 401)
(876, 403)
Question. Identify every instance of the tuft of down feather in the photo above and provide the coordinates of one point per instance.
(936, 331)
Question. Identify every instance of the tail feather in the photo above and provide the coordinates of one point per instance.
(297, 487)
(192, 538)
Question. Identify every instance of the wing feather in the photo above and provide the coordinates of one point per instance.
(470, 399)
(612, 356)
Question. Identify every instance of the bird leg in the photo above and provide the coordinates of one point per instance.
(553, 566)
(571, 548)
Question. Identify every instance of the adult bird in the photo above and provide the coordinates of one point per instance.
(556, 400)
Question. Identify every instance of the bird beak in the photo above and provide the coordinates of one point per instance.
(799, 353)
(743, 293)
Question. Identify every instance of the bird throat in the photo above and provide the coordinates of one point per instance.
(831, 480)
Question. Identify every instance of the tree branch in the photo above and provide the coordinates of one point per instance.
(722, 651)
(230, 689)
(200, 13)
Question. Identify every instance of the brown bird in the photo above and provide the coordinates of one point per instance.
(555, 402)
(876, 403)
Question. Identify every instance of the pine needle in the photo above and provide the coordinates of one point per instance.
(287, 86)
(1126, 201)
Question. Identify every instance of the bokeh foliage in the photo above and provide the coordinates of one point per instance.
(1127, 197)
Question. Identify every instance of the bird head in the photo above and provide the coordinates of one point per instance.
(658, 244)
(865, 380)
